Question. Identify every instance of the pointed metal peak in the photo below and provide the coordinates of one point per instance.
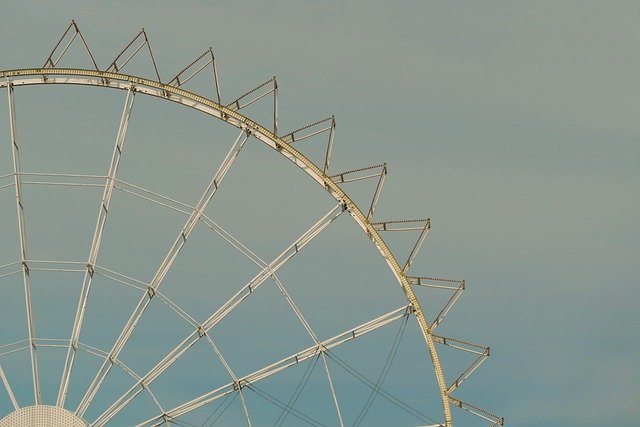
(201, 62)
(70, 34)
(365, 173)
(322, 126)
(262, 90)
(115, 67)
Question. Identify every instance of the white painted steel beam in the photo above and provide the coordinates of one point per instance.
(9, 390)
(95, 247)
(23, 246)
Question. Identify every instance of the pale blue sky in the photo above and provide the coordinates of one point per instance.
(513, 125)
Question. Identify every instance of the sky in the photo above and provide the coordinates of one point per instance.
(513, 126)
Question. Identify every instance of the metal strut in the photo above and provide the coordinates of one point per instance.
(145, 41)
(456, 286)
(263, 90)
(103, 210)
(178, 81)
(407, 225)
(50, 63)
(5, 381)
(23, 245)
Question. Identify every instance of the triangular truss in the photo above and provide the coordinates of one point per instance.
(421, 225)
(323, 126)
(201, 62)
(480, 352)
(135, 45)
(71, 34)
(456, 287)
(368, 172)
(257, 93)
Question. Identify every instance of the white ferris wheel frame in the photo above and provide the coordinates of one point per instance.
(133, 85)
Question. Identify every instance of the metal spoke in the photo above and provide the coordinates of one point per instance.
(313, 336)
(220, 314)
(276, 367)
(23, 245)
(10, 269)
(162, 271)
(14, 402)
(95, 247)
(153, 197)
(333, 391)
(73, 180)
(232, 374)
(14, 347)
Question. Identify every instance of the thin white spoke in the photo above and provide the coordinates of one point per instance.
(23, 245)
(14, 402)
(10, 269)
(277, 367)
(232, 240)
(95, 247)
(120, 278)
(220, 314)
(162, 271)
(313, 336)
(232, 374)
(71, 180)
(14, 347)
(246, 410)
(153, 197)
(333, 391)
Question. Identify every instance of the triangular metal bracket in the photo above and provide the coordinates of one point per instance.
(455, 286)
(406, 225)
(202, 61)
(494, 419)
(115, 67)
(482, 352)
(326, 125)
(365, 173)
(264, 89)
(71, 33)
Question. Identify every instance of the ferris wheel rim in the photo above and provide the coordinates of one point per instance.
(114, 80)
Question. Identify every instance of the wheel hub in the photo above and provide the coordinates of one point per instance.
(42, 416)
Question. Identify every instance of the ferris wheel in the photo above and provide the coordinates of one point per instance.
(164, 265)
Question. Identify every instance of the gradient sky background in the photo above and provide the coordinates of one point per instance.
(514, 126)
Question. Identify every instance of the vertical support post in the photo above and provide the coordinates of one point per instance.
(95, 247)
(23, 246)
